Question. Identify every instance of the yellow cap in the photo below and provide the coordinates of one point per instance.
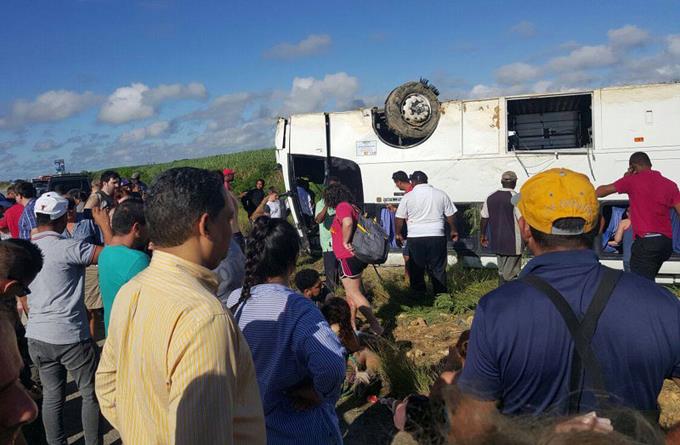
(558, 193)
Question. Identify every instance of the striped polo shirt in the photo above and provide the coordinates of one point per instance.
(175, 367)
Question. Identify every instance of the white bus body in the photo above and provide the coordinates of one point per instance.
(593, 132)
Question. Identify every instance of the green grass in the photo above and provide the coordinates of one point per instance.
(466, 287)
(249, 166)
(401, 374)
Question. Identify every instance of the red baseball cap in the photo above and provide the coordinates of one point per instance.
(228, 171)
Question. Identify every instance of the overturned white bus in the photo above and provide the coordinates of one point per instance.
(465, 145)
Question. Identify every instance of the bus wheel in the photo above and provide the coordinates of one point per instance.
(412, 109)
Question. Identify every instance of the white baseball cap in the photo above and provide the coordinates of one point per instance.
(51, 203)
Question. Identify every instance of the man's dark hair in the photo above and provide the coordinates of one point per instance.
(400, 176)
(260, 180)
(126, 215)
(26, 189)
(61, 189)
(43, 219)
(108, 175)
(640, 158)
(509, 183)
(20, 260)
(418, 177)
(177, 199)
(580, 241)
(306, 278)
(337, 193)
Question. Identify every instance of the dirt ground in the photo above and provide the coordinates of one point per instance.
(430, 343)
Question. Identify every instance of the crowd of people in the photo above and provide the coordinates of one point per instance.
(213, 337)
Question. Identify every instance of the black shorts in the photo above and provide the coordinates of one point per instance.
(351, 267)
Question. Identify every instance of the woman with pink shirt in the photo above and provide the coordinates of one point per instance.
(339, 198)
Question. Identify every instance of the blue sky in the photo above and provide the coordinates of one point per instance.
(104, 83)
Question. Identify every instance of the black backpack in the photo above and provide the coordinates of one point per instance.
(371, 243)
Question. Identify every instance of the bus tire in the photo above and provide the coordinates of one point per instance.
(412, 110)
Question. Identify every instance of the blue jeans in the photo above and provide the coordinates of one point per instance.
(80, 359)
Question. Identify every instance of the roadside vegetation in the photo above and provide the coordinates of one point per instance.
(249, 166)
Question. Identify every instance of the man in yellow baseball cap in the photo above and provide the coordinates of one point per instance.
(558, 202)
(533, 339)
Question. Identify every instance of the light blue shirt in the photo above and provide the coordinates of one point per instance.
(291, 343)
(58, 315)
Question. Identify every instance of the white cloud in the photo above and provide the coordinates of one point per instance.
(126, 104)
(312, 44)
(51, 106)
(524, 29)
(670, 72)
(139, 134)
(542, 86)
(616, 62)
(46, 145)
(673, 45)
(481, 91)
(337, 91)
(628, 36)
(585, 57)
(175, 91)
(515, 73)
(138, 101)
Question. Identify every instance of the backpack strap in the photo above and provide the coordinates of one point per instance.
(582, 332)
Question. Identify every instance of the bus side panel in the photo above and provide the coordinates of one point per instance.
(353, 137)
(640, 118)
(481, 127)
(308, 134)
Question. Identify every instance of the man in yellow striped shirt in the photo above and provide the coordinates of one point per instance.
(175, 367)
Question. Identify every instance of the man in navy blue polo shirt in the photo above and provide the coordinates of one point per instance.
(520, 351)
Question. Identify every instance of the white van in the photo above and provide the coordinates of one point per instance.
(465, 145)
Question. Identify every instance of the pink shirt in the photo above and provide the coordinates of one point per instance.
(651, 199)
(342, 211)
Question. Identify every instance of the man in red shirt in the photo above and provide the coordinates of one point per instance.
(651, 197)
(10, 220)
(402, 182)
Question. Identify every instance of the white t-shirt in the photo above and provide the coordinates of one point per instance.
(275, 209)
(425, 208)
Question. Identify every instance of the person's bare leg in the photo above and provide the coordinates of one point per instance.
(352, 314)
(353, 291)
